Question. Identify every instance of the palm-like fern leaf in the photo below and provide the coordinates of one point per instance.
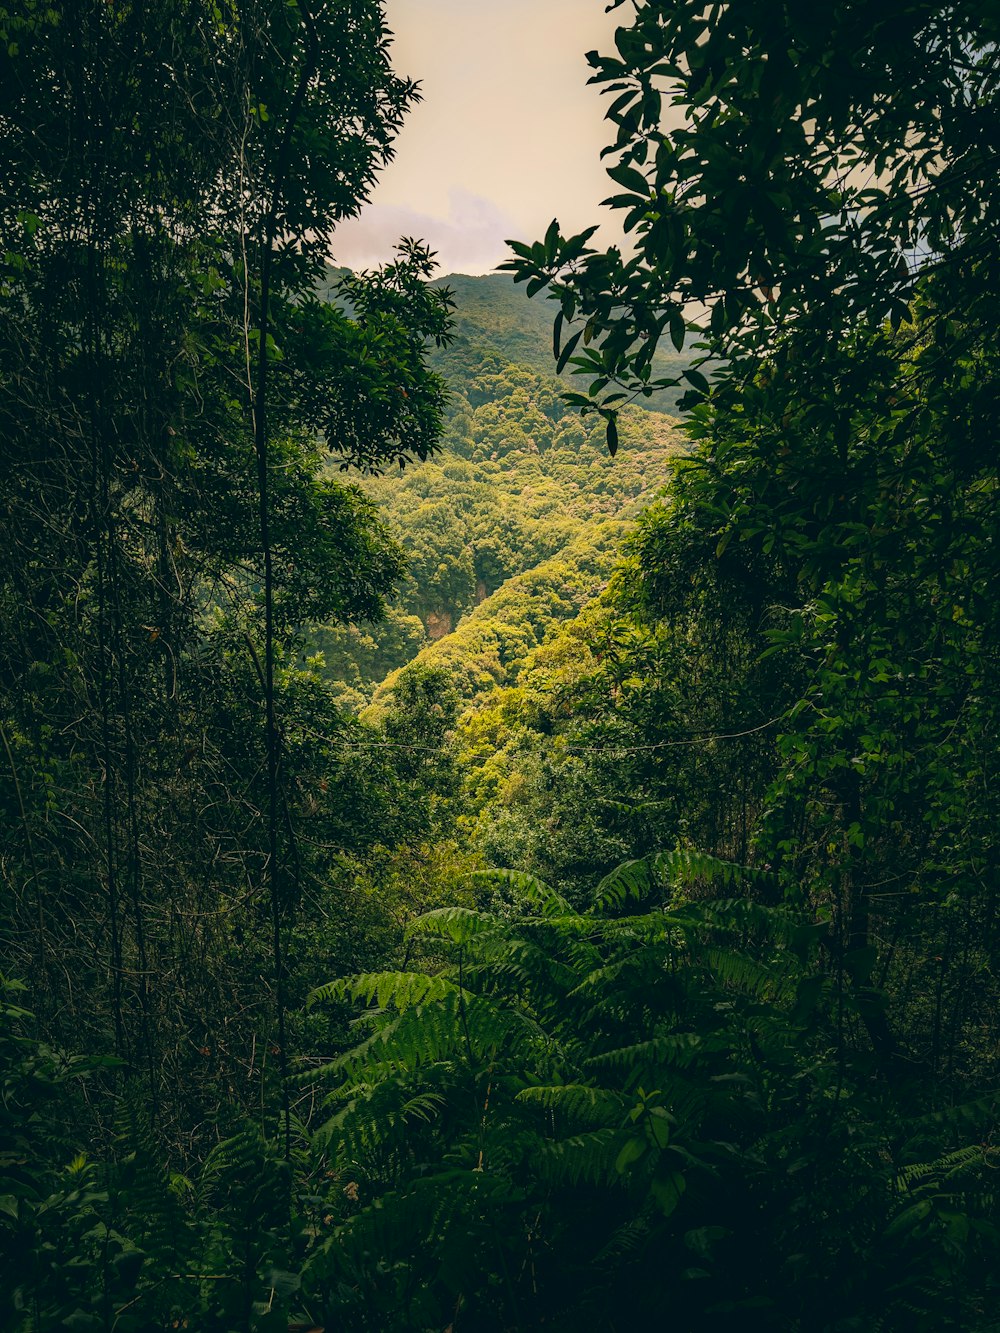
(398, 990)
(459, 924)
(525, 888)
(579, 1101)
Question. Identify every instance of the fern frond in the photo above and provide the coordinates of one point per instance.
(513, 963)
(633, 880)
(422, 1106)
(374, 1113)
(625, 1241)
(450, 1029)
(367, 1057)
(578, 1101)
(566, 927)
(525, 888)
(397, 990)
(581, 1159)
(650, 926)
(780, 924)
(684, 867)
(743, 973)
(679, 1049)
(944, 1168)
(600, 977)
(233, 1156)
(459, 924)
(623, 980)
(432, 1211)
(636, 880)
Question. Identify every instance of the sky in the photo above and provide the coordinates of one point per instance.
(507, 137)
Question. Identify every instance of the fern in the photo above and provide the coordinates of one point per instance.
(578, 1101)
(680, 1049)
(610, 1080)
(423, 1106)
(669, 873)
(625, 1242)
(461, 925)
(525, 889)
(634, 880)
(968, 1117)
(763, 981)
(684, 868)
(519, 965)
(582, 1159)
(375, 1114)
(948, 1167)
(397, 990)
(653, 927)
(649, 963)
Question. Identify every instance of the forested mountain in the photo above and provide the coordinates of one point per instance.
(479, 855)
(491, 316)
(522, 491)
(492, 313)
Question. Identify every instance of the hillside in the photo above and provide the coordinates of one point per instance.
(491, 311)
(493, 641)
(494, 315)
(521, 485)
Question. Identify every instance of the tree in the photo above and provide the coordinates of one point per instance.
(173, 178)
(782, 171)
(813, 195)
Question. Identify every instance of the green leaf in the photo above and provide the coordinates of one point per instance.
(659, 1125)
(568, 351)
(630, 178)
(631, 1151)
(678, 328)
(551, 241)
(667, 1191)
(697, 380)
(281, 1282)
(612, 434)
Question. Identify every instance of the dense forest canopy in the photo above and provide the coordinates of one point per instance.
(481, 852)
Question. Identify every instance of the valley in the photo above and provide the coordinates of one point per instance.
(515, 524)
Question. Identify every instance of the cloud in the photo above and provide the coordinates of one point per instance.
(469, 240)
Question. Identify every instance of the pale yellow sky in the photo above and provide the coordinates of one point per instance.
(507, 137)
